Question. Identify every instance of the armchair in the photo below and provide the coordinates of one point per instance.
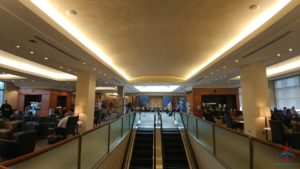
(23, 143)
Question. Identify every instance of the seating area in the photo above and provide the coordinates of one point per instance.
(19, 137)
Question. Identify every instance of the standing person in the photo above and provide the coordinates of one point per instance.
(6, 110)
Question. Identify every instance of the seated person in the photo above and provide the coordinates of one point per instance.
(61, 126)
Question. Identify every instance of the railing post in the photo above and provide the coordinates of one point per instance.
(214, 140)
(251, 152)
(197, 135)
(122, 128)
(79, 152)
(108, 138)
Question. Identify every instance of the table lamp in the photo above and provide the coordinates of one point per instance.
(78, 110)
(265, 112)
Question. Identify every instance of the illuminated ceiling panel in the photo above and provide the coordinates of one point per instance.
(19, 64)
(10, 77)
(156, 88)
(146, 40)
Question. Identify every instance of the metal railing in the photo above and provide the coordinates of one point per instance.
(233, 149)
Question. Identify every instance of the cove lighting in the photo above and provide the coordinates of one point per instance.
(51, 11)
(284, 67)
(250, 28)
(156, 88)
(19, 64)
(106, 88)
(10, 77)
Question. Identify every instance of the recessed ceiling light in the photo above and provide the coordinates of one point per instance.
(46, 58)
(69, 70)
(212, 73)
(290, 49)
(278, 54)
(18, 46)
(84, 63)
(72, 12)
(31, 52)
(253, 7)
(236, 61)
(94, 69)
(104, 74)
(61, 67)
(224, 67)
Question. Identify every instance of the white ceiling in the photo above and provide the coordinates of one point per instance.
(149, 39)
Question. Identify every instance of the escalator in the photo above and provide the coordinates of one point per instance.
(142, 153)
(174, 154)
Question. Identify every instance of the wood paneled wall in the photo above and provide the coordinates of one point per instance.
(198, 92)
(49, 99)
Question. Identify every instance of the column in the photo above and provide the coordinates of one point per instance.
(85, 99)
(255, 94)
(120, 101)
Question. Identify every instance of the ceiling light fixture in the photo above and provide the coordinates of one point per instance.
(18, 46)
(71, 12)
(224, 67)
(246, 31)
(52, 12)
(61, 67)
(19, 64)
(253, 7)
(156, 88)
(106, 88)
(290, 49)
(284, 67)
(10, 77)
(84, 63)
(278, 54)
(236, 61)
(31, 52)
(46, 58)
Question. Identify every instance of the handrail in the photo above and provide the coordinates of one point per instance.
(161, 140)
(154, 144)
(37, 153)
(277, 146)
(56, 145)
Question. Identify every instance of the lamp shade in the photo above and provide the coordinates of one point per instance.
(265, 112)
(78, 110)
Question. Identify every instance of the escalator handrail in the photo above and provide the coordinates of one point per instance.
(154, 144)
(162, 143)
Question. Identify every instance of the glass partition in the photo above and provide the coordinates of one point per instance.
(192, 126)
(62, 157)
(125, 124)
(132, 119)
(115, 132)
(233, 149)
(94, 146)
(205, 135)
(265, 156)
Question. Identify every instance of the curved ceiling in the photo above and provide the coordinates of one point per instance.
(148, 41)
